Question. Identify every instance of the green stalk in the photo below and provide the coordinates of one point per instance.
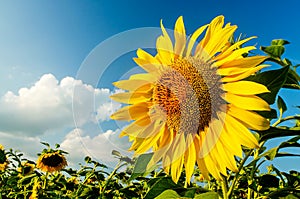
(224, 188)
(238, 173)
(45, 180)
(107, 181)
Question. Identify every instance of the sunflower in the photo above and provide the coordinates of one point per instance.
(51, 161)
(194, 105)
(3, 159)
(26, 168)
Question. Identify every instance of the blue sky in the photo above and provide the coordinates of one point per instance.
(55, 39)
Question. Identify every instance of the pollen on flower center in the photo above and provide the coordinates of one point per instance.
(188, 91)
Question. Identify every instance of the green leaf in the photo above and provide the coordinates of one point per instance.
(268, 114)
(141, 165)
(279, 42)
(207, 195)
(290, 196)
(291, 86)
(293, 181)
(281, 105)
(292, 80)
(116, 153)
(287, 62)
(274, 51)
(46, 144)
(168, 194)
(273, 80)
(276, 132)
(190, 193)
(161, 185)
(269, 155)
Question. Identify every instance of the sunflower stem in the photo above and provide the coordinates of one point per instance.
(118, 166)
(238, 173)
(224, 187)
(45, 180)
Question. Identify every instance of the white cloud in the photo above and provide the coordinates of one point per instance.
(30, 145)
(53, 105)
(99, 147)
(48, 110)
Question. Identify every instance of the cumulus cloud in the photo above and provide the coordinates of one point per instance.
(30, 145)
(99, 147)
(51, 104)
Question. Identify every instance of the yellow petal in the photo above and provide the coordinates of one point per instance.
(200, 161)
(190, 157)
(132, 112)
(212, 167)
(239, 130)
(180, 37)
(146, 56)
(168, 42)
(164, 54)
(162, 148)
(234, 55)
(153, 136)
(146, 65)
(232, 49)
(193, 39)
(237, 77)
(246, 62)
(239, 66)
(225, 157)
(215, 25)
(234, 148)
(143, 76)
(133, 84)
(178, 156)
(245, 88)
(248, 102)
(251, 119)
(153, 128)
(136, 127)
(131, 97)
(218, 40)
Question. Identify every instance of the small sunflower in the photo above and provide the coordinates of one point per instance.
(26, 168)
(194, 105)
(3, 159)
(51, 161)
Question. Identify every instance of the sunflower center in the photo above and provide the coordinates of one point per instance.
(188, 91)
(27, 169)
(53, 160)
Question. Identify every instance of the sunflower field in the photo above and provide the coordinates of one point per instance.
(202, 117)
